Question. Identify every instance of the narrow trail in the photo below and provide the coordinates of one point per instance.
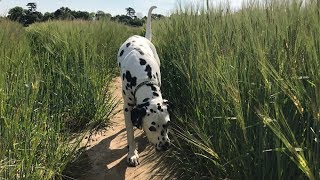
(106, 151)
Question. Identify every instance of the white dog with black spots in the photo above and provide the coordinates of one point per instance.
(144, 106)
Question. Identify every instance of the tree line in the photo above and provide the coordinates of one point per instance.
(31, 15)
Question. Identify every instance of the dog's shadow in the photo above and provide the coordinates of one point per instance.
(101, 162)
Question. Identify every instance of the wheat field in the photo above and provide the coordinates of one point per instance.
(245, 86)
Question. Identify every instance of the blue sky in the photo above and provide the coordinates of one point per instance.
(113, 7)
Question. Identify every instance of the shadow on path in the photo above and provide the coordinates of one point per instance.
(104, 161)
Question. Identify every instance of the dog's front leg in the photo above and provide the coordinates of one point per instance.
(133, 157)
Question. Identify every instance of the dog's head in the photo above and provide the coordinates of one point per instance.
(154, 119)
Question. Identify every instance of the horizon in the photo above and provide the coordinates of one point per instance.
(165, 7)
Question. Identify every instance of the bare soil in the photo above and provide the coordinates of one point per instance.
(106, 152)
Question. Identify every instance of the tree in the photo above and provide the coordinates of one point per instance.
(80, 15)
(32, 17)
(92, 15)
(25, 16)
(122, 18)
(16, 14)
(157, 16)
(63, 13)
(32, 7)
(131, 12)
(136, 22)
(48, 16)
(102, 15)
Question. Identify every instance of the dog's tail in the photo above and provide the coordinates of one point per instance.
(148, 28)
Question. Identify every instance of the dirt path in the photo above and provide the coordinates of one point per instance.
(107, 150)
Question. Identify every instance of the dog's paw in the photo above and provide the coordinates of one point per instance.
(133, 159)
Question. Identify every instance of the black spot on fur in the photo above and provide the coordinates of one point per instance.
(158, 104)
(154, 77)
(130, 98)
(146, 99)
(152, 128)
(128, 76)
(148, 70)
(136, 116)
(128, 44)
(129, 104)
(157, 77)
(139, 50)
(119, 65)
(153, 88)
(123, 92)
(159, 107)
(142, 61)
(162, 133)
(153, 123)
(155, 94)
(126, 110)
(151, 110)
(163, 139)
(121, 53)
(123, 76)
(143, 105)
(132, 81)
(158, 138)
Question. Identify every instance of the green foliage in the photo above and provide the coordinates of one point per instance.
(246, 88)
(32, 7)
(16, 14)
(54, 82)
(128, 20)
(100, 15)
(131, 12)
(27, 17)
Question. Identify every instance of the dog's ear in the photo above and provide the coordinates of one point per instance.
(136, 116)
(169, 104)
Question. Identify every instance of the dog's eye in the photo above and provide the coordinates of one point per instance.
(152, 128)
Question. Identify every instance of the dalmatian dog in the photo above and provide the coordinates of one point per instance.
(144, 106)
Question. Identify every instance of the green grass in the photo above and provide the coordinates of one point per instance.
(246, 88)
(53, 83)
(245, 85)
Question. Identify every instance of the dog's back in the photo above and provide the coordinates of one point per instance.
(136, 48)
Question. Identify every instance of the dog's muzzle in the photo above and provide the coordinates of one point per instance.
(163, 146)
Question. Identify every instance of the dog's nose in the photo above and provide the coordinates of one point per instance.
(166, 144)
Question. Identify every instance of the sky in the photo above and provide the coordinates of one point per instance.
(114, 7)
